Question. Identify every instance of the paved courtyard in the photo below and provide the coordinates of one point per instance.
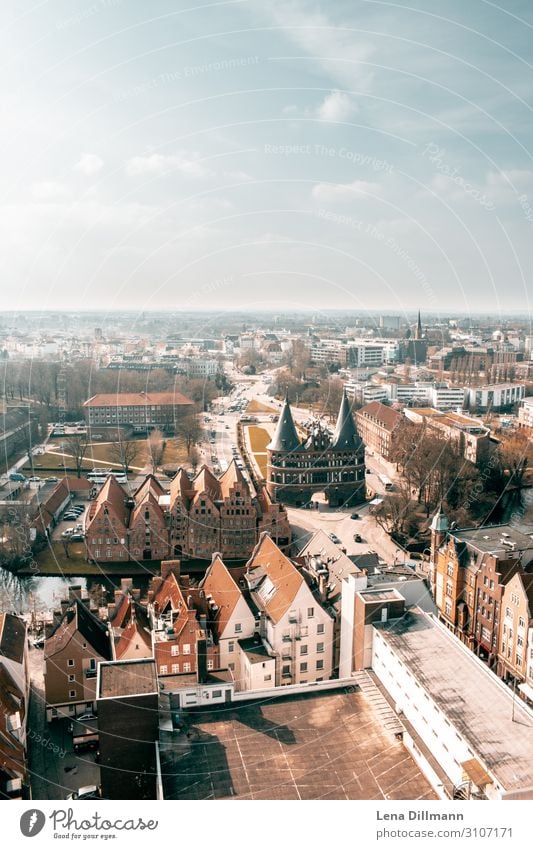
(314, 746)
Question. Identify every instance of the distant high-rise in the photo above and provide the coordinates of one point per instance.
(389, 322)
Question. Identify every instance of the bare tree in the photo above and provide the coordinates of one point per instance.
(156, 448)
(77, 447)
(194, 458)
(125, 452)
(189, 430)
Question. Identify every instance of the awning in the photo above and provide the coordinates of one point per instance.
(527, 691)
(476, 773)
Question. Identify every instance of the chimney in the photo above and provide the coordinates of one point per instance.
(323, 586)
(64, 606)
(74, 592)
(168, 566)
(126, 584)
(201, 661)
(155, 583)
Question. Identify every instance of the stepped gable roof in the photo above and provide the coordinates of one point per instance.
(219, 583)
(78, 618)
(285, 437)
(284, 578)
(180, 485)
(149, 485)
(113, 497)
(232, 478)
(346, 436)
(148, 499)
(12, 637)
(205, 481)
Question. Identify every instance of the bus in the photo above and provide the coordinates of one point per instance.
(99, 476)
(387, 483)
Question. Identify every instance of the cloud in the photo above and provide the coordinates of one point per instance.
(157, 163)
(345, 191)
(50, 191)
(89, 164)
(337, 106)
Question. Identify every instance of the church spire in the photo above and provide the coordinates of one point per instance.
(419, 331)
(285, 437)
(346, 437)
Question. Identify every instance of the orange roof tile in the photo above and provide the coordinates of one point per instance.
(282, 573)
(219, 583)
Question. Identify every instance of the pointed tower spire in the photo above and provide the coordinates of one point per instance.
(419, 331)
(285, 437)
(346, 437)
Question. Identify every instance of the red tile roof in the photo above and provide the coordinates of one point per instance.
(286, 579)
(138, 399)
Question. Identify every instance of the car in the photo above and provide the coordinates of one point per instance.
(67, 532)
(34, 479)
(38, 643)
(368, 472)
(16, 476)
(355, 516)
(52, 480)
(358, 538)
(70, 517)
(89, 792)
(334, 538)
(83, 717)
(77, 536)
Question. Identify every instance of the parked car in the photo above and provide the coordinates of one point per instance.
(52, 480)
(358, 538)
(69, 517)
(355, 516)
(77, 536)
(38, 643)
(334, 538)
(34, 479)
(67, 533)
(83, 717)
(16, 476)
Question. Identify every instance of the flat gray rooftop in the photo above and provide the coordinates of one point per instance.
(489, 539)
(476, 702)
(127, 678)
(329, 745)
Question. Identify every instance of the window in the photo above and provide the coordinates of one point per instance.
(186, 648)
(303, 649)
(320, 664)
(231, 666)
(175, 668)
(238, 627)
(71, 679)
(231, 646)
(320, 629)
(72, 694)
(268, 678)
(521, 622)
(286, 670)
(70, 662)
(174, 651)
(320, 648)
(210, 664)
(186, 667)
(217, 694)
(310, 612)
(163, 670)
(303, 667)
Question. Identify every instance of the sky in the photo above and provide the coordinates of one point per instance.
(289, 154)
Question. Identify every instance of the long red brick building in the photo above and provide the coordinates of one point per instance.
(201, 515)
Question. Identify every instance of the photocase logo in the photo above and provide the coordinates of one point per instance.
(32, 822)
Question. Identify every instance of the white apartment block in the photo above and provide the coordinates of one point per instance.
(495, 396)
(292, 623)
(463, 726)
(525, 413)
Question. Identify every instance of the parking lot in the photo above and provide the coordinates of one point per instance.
(64, 524)
(314, 746)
